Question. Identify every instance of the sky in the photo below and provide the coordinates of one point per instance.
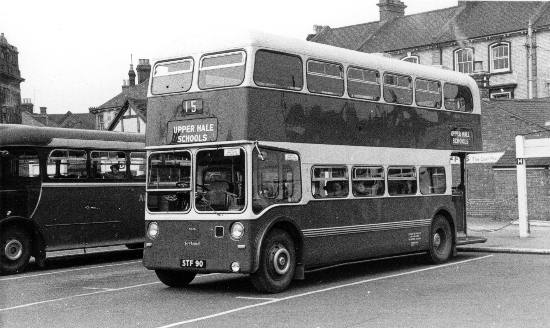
(74, 55)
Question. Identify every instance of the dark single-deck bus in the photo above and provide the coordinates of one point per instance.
(270, 156)
(66, 189)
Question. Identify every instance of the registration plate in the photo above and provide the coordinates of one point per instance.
(201, 264)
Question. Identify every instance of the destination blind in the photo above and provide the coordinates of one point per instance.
(192, 131)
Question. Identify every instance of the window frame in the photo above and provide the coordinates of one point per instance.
(366, 166)
(378, 83)
(342, 77)
(191, 70)
(245, 173)
(277, 86)
(47, 162)
(415, 179)
(346, 179)
(437, 105)
(457, 63)
(410, 88)
(173, 190)
(431, 187)
(416, 59)
(125, 177)
(492, 48)
(220, 54)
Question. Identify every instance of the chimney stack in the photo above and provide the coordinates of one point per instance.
(131, 76)
(43, 110)
(143, 70)
(124, 85)
(390, 10)
(27, 105)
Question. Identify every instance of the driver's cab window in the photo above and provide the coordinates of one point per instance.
(275, 178)
(220, 182)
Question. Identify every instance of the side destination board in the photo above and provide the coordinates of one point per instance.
(191, 131)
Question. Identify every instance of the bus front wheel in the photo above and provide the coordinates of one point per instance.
(441, 240)
(15, 250)
(277, 263)
(174, 278)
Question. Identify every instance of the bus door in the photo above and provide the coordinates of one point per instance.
(459, 193)
(105, 208)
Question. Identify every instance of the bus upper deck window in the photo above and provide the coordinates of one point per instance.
(278, 70)
(457, 97)
(325, 78)
(175, 76)
(222, 70)
(398, 89)
(363, 83)
(428, 93)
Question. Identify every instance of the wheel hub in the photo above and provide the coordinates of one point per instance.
(281, 261)
(13, 249)
(437, 240)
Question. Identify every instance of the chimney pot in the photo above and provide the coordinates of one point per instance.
(43, 110)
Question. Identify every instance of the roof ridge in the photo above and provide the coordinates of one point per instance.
(367, 39)
(445, 29)
(544, 6)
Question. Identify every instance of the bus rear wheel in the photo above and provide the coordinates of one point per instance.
(277, 263)
(177, 279)
(15, 250)
(441, 240)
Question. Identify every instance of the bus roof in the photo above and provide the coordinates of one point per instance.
(24, 135)
(263, 40)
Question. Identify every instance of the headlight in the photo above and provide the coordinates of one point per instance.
(237, 230)
(152, 230)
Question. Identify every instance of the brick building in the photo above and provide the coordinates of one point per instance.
(10, 80)
(127, 111)
(492, 187)
(487, 39)
(494, 36)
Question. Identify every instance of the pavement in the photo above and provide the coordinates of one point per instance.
(503, 237)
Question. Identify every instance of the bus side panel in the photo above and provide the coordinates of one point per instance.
(343, 230)
(296, 117)
(132, 207)
(62, 216)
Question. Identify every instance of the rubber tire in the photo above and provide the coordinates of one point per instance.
(176, 279)
(8, 266)
(266, 279)
(440, 253)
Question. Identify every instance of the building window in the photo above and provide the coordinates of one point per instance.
(100, 122)
(464, 60)
(411, 59)
(500, 57)
(501, 95)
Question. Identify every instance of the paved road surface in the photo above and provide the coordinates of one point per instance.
(474, 290)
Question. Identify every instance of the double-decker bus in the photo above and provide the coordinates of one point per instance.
(66, 189)
(270, 156)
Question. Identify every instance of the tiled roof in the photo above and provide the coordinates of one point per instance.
(471, 20)
(28, 119)
(138, 91)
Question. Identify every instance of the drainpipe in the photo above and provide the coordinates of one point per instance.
(530, 61)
